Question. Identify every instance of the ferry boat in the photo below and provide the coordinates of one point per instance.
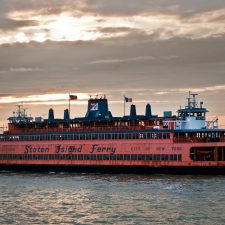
(102, 143)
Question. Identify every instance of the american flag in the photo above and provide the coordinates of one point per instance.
(73, 97)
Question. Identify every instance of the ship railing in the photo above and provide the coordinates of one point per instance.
(81, 129)
(197, 140)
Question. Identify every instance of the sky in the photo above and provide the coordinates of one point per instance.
(152, 51)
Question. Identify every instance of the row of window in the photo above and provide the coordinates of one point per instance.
(200, 135)
(142, 157)
(85, 136)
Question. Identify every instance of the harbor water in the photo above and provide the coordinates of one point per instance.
(60, 198)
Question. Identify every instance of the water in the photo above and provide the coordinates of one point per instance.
(58, 198)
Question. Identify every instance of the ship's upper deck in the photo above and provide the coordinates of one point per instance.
(99, 117)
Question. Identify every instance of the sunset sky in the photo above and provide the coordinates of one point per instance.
(152, 51)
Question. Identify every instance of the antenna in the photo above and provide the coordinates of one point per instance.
(194, 103)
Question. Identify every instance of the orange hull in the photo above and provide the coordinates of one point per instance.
(152, 153)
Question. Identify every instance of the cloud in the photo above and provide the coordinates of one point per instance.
(85, 21)
(10, 24)
(115, 29)
(44, 98)
(135, 59)
(24, 69)
(217, 88)
(21, 70)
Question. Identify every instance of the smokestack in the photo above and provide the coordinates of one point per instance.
(148, 111)
(133, 111)
(51, 114)
(66, 114)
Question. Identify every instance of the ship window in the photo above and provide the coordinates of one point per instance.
(120, 156)
(149, 157)
(85, 157)
(134, 157)
(148, 135)
(166, 157)
(80, 156)
(126, 157)
(136, 135)
(92, 156)
(107, 136)
(81, 137)
(70, 137)
(88, 136)
(112, 157)
(213, 153)
(141, 157)
(175, 157)
(75, 137)
(179, 157)
(51, 157)
(171, 157)
(99, 157)
(105, 157)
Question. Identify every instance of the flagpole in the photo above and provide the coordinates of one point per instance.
(124, 105)
(69, 111)
(69, 105)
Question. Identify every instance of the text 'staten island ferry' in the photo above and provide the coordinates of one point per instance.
(99, 142)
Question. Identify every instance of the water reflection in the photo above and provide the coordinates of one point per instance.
(56, 198)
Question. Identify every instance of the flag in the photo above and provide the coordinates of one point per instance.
(73, 97)
(127, 99)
